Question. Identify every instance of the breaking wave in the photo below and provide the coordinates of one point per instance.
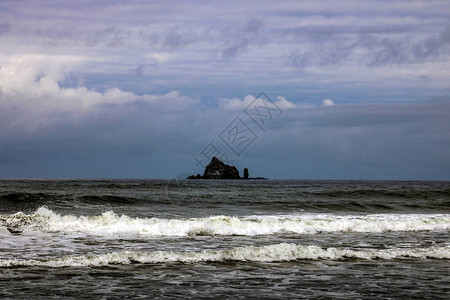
(109, 223)
(270, 253)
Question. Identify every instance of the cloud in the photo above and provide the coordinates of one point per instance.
(138, 71)
(84, 131)
(390, 141)
(159, 57)
(259, 43)
(151, 84)
(239, 39)
(327, 102)
(235, 104)
(32, 98)
(367, 48)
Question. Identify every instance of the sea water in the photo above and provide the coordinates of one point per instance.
(224, 238)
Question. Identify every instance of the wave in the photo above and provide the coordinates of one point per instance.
(109, 223)
(25, 201)
(369, 197)
(270, 253)
(14, 199)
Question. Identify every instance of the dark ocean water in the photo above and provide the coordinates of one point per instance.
(203, 238)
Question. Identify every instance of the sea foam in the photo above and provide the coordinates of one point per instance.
(270, 253)
(110, 223)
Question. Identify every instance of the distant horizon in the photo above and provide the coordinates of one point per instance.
(199, 180)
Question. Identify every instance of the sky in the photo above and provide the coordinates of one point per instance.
(288, 89)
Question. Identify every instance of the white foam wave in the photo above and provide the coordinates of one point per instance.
(110, 223)
(270, 253)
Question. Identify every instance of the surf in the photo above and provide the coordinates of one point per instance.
(266, 254)
(110, 223)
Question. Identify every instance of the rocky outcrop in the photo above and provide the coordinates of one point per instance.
(198, 176)
(245, 173)
(219, 170)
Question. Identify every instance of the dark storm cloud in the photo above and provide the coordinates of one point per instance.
(139, 70)
(389, 139)
(239, 39)
(367, 48)
(323, 32)
(434, 45)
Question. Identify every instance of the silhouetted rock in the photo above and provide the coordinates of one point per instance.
(219, 170)
(198, 176)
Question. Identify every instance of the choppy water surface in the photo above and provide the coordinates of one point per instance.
(202, 238)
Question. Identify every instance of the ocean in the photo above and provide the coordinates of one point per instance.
(137, 239)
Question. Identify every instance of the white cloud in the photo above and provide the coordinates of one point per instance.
(33, 80)
(31, 73)
(159, 57)
(327, 102)
(236, 103)
(240, 104)
(31, 94)
(282, 103)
